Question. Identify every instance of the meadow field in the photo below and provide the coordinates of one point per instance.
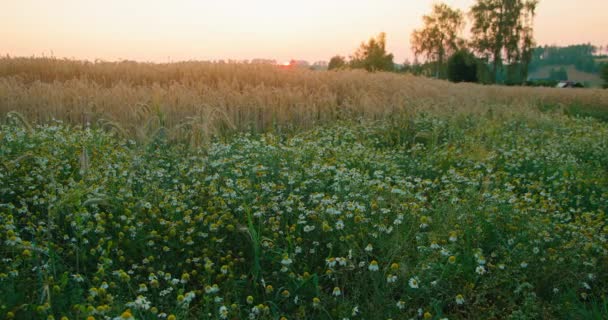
(228, 191)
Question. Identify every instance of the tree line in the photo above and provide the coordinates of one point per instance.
(605, 75)
(499, 50)
(581, 56)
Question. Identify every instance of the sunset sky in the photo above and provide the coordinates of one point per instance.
(155, 30)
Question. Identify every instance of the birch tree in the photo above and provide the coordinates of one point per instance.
(502, 33)
(440, 37)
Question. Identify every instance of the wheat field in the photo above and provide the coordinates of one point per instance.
(215, 97)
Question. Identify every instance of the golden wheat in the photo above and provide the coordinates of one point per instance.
(209, 98)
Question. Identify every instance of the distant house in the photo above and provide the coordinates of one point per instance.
(569, 84)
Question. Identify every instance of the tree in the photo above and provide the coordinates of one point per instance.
(579, 55)
(414, 67)
(605, 75)
(439, 37)
(502, 33)
(462, 67)
(372, 56)
(336, 62)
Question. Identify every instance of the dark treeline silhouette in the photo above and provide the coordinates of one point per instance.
(581, 56)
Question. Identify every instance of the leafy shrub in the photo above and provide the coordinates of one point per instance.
(462, 67)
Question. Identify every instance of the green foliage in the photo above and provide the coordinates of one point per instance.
(458, 216)
(587, 111)
(484, 73)
(542, 83)
(502, 32)
(372, 56)
(605, 75)
(515, 74)
(462, 67)
(439, 37)
(581, 56)
(558, 74)
(336, 63)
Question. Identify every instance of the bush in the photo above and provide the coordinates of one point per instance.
(541, 83)
(336, 62)
(462, 67)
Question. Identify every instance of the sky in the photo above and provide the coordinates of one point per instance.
(174, 30)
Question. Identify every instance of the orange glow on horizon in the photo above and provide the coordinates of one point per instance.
(281, 30)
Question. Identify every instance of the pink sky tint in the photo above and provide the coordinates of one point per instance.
(159, 30)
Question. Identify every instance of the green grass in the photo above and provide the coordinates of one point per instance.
(507, 213)
(582, 110)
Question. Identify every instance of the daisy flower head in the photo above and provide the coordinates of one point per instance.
(401, 305)
(223, 311)
(413, 283)
(453, 236)
(316, 302)
(336, 292)
(127, 315)
(373, 266)
(286, 262)
(459, 299)
(424, 222)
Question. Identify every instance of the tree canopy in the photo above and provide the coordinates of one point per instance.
(336, 62)
(462, 67)
(372, 56)
(439, 37)
(502, 33)
(500, 48)
(605, 75)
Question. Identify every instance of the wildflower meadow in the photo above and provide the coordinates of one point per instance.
(451, 216)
